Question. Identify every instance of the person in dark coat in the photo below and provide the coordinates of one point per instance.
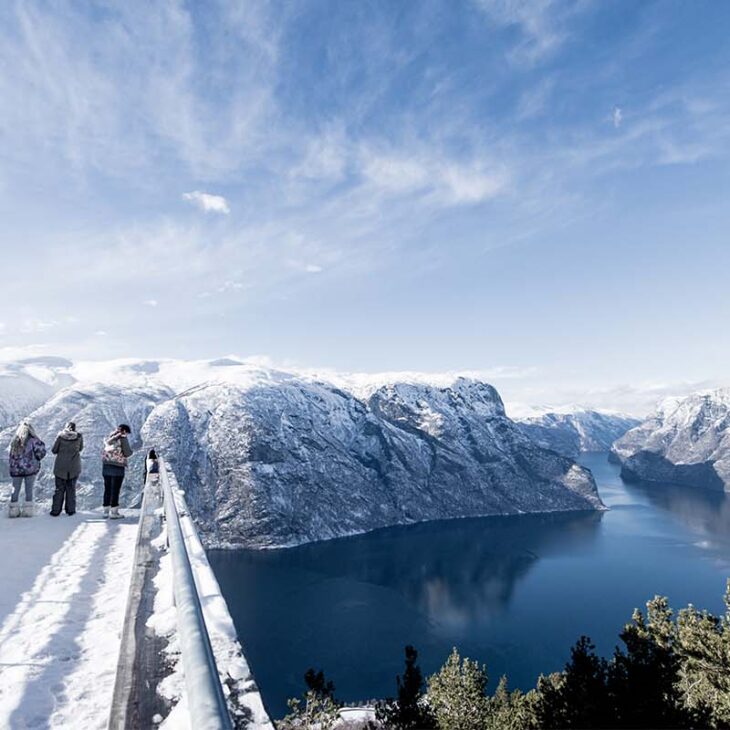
(114, 457)
(68, 447)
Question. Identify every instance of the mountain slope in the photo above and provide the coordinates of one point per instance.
(283, 463)
(687, 441)
(576, 432)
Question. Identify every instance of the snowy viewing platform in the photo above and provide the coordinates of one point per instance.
(89, 629)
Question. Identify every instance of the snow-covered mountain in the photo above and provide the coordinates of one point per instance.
(287, 462)
(577, 431)
(271, 458)
(27, 384)
(687, 441)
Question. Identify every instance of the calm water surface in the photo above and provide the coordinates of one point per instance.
(513, 592)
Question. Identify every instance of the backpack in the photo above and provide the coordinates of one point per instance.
(39, 450)
(112, 453)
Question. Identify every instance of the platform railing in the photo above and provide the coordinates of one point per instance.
(206, 701)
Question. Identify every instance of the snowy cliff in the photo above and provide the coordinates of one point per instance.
(687, 441)
(282, 463)
(271, 458)
(577, 431)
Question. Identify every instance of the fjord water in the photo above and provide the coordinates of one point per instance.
(513, 592)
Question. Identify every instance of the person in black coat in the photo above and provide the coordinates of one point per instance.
(67, 468)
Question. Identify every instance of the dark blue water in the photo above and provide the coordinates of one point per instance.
(512, 592)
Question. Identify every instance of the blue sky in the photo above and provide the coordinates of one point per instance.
(537, 190)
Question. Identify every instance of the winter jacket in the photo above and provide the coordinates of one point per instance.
(114, 455)
(68, 447)
(151, 470)
(28, 462)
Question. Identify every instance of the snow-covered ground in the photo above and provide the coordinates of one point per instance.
(64, 587)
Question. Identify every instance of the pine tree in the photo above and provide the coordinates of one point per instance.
(313, 712)
(643, 681)
(317, 709)
(456, 694)
(408, 711)
(577, 698)
(510, 710)
(316, 682)
(704, 677)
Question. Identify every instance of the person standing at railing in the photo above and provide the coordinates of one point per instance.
(67, 468)
(114, 458)
(25, 454)
(151, 467)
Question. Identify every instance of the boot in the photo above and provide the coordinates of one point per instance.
(106, 513)
(13, 509)
(115, 514)
(27, 510)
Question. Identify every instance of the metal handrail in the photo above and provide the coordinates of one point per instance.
(206, 701)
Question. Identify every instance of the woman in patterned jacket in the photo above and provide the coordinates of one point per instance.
(26, 451)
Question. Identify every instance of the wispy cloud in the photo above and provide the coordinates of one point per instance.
(380, 139)
(542, 24)
(33, 325)
(208, 202)
(443, 180)
(617, 116)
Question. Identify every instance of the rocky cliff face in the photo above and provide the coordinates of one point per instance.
(577, 432)
(687, 441)
(287, 463)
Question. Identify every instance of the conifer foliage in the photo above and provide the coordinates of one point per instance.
(457, 694)
(408, 711)
(672, 672)
(317, 709)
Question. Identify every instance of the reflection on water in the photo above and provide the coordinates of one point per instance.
(703, 511)
(514, 592)
(456, 571)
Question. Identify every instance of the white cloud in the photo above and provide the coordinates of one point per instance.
(20, 352)
(226, 286)
(441, 180)
(325, 157)
(151, 302)
(33, 325)
(636, 399)
(307, 267)
(542, 24)
(208, 202)
(617, 117)
(101, 333)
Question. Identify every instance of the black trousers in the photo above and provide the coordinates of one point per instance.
(65, 491)
(112, 487)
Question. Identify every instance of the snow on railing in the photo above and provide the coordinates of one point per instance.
(206, 701)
